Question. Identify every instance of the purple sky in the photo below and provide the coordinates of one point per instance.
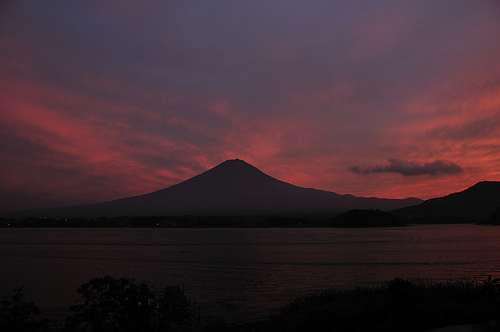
(106, 99)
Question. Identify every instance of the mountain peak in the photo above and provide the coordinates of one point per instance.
(235, 167)
(485, 185)
(234, 162)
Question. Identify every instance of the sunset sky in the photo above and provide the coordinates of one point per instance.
(101, 100)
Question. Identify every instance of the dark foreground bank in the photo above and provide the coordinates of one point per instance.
(109, 304)
(399, 305)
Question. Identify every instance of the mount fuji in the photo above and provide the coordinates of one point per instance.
(234, 187)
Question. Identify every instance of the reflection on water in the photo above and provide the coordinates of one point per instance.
(253, 270)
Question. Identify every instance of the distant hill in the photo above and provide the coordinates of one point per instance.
(470, 205)
(232, 188)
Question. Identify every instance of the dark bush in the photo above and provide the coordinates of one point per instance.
(400, 305)
(18, 315)
(111, 304)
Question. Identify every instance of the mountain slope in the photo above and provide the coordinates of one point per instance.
(231, 188)
(472, 204)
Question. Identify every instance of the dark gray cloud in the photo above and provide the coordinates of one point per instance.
(411, 168)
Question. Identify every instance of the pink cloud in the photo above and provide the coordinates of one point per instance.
(103, 103)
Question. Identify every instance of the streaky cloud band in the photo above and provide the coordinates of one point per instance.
(411, 168)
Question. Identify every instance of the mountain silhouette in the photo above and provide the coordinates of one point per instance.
(470, 205)
(234, 187)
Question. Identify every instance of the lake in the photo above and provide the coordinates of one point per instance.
(249, 270)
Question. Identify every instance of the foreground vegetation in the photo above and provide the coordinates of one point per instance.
(109, 304)
(400, 305)
(106, 304)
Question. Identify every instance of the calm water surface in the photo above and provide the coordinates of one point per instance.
(253, 270)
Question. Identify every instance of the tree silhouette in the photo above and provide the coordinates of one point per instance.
(18, 315)
(111, 304)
